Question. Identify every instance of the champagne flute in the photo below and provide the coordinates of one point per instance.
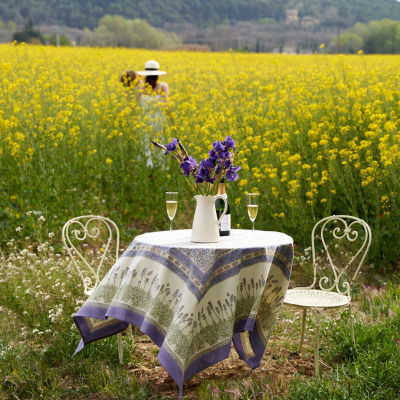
(171, 199)
(252, 206)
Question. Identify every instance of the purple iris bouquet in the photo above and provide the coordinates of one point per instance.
(204, 177)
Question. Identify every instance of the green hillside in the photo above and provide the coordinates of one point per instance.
(201, 13)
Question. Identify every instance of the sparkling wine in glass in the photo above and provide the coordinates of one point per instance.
(171, 199)
(252, 207)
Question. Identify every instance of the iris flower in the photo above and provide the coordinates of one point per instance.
(172, 145)
(209, 171)
(188, 166)
(231, 173)
(229, 143)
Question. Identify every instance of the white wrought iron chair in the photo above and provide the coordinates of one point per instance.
(332, 290)
(93, 228)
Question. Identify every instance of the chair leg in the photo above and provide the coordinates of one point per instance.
(120, 350)
(352, 326)
(316, 344)
(303, 325)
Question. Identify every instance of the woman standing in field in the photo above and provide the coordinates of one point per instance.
(153, 95)
(154, 90)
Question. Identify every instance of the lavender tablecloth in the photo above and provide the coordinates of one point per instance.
(193, 299)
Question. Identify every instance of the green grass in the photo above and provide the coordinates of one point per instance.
(40, 291)
(371, 370)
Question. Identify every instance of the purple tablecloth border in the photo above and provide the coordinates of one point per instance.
(257, 345)
(129, 317)
(98, 313)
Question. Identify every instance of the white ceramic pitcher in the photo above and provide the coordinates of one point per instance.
(205, 228)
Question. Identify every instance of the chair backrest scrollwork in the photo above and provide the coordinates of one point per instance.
(85, 228)
(334, 234)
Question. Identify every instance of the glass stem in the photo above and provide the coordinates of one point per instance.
(170, 224)
(253, 225)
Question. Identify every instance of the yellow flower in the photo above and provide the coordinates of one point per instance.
(295, 146)
(309, 194)
(279, 215)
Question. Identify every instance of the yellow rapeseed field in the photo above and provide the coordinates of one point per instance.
(316, 135)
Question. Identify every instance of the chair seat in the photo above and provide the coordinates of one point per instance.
(315, 298)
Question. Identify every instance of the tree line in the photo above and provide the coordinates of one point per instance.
(200, 13)
(112, 31)
(117, 31)
(376, 37)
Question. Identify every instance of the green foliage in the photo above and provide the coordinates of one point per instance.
(346, 13)
(371, 370)
(12, 26)
(63, 40)
(347, 43)
(376, 37)
(29, 34)
(383, 37)
(116, 31)
(40, 290)
(206, 13)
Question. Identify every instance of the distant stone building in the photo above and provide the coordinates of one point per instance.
(292, 16)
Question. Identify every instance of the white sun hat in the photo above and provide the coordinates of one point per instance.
(152, 68)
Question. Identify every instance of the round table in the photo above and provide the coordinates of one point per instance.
(238, 238)
(194, 299)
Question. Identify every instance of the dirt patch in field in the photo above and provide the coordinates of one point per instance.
(277, 368)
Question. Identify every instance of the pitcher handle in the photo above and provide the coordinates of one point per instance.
(219, 196)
